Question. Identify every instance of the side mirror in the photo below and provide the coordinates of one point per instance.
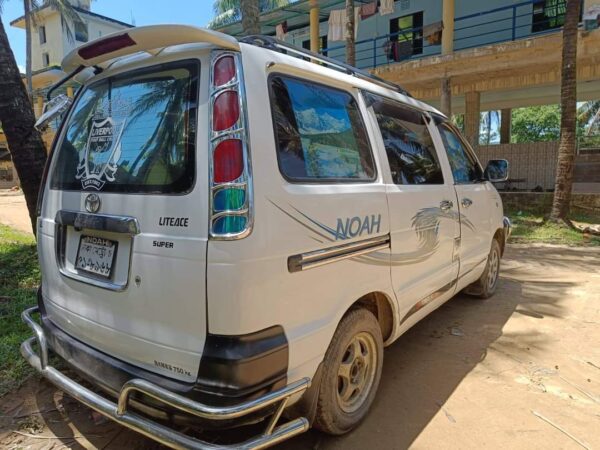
(52, 109)
(496, 170)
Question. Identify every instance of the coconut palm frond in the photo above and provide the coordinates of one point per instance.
(225, 18)
(229, 11)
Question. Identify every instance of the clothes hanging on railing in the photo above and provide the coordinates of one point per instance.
(337, 25)
(386, 7)
(281, 30)
(399, 50)
(433, 33)
(368, 10)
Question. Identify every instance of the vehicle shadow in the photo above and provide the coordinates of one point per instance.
(421, 371)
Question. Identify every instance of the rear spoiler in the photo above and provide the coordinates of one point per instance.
(150, 39)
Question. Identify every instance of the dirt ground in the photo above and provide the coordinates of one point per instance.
(520, 369)
(13, 211)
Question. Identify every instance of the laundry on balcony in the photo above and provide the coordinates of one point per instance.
(433, 33)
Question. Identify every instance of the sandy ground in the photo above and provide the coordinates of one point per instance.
(13, 210)
(521, 369)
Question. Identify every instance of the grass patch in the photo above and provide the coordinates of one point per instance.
(531, 227)
(19, 279)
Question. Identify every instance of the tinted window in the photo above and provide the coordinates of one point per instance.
(319, 132)
(408, 144)
(465, 167)
(132, 133)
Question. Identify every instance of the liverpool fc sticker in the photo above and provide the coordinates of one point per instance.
(99, 161)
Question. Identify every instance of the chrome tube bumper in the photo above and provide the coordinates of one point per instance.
(119, 412)
(507, 228)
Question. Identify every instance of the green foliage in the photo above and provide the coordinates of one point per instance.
(228, 11)
(536, 123)
(19, 278)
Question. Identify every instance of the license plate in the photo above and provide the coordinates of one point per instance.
(96, 255)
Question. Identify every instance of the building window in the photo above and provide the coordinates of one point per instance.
(548, 14)
(45, 59)
(81, 32)
(322, 45)
(407, 36)
(42, 34)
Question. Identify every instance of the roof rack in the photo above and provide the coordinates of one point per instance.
(277, 45)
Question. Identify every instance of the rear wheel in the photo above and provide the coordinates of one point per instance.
(486, 285)
(351, 373)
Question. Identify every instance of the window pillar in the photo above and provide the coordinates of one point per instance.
(448, 32)
(472, 117)
(314, 26)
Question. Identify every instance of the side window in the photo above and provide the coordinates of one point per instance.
(465, 167)
(320, 135)
(408, 144)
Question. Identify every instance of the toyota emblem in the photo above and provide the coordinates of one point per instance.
(92, 203)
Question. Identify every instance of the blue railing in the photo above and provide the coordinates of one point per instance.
(503, 24)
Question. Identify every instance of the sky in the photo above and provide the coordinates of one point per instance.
(143, 12)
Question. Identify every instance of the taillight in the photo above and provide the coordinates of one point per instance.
(108, 45)
(226, 110)
(228, 161)
(230, 185)
(224, 70)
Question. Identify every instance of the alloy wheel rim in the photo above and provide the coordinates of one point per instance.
(356, 372)
(494, 263)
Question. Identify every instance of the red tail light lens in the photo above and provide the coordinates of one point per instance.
(226, 111)
(228, 161)
(108, 45)
(224, 71)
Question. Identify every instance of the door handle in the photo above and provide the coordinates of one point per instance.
(466, 202)
(446, 205)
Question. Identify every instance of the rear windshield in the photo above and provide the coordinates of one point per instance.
(133, 133)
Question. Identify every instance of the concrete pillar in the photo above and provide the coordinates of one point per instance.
(448, 32)
(505, 123)
(70, 91)
(314, 26)
(472, 117)
(446, 97)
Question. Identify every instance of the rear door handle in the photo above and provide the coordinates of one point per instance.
(446, 205)
(466, 202)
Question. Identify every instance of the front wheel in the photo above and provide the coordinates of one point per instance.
(351, 373)
(486, 285)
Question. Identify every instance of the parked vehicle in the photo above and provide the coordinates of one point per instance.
(232, 232)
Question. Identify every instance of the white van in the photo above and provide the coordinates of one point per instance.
(231, 232)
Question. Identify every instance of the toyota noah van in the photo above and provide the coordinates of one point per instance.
(230, 232)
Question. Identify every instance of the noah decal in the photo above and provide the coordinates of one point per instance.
(99, 160)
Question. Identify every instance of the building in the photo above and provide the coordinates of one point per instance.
(462, 56)
(50, 42)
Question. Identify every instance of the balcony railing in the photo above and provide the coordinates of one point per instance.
(507, 23)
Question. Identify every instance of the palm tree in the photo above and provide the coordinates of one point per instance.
(588, 114)
(250, 16)
(230, 11)
(350, 44)
(568, 121)
(16, 116)
(27, 12)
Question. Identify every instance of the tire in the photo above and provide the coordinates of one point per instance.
(485, 287)
(351, 373)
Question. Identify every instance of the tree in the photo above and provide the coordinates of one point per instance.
(350, 44)
(568, 123)
(229, 11)
(16, 116)
(588, 115)
(250, 16)
(488, 130)
(28, 74)
(535, 123)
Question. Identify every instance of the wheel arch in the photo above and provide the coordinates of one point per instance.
(499, 236)
(381, 306)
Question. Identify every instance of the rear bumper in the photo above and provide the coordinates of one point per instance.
(120, 411)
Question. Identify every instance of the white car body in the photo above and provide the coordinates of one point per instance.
(309, 250)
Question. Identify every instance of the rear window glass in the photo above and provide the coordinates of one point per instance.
(320, 133)
(133, 133)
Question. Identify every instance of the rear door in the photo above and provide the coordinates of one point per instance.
(423, 213)
(474, 201)
(123, 232)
